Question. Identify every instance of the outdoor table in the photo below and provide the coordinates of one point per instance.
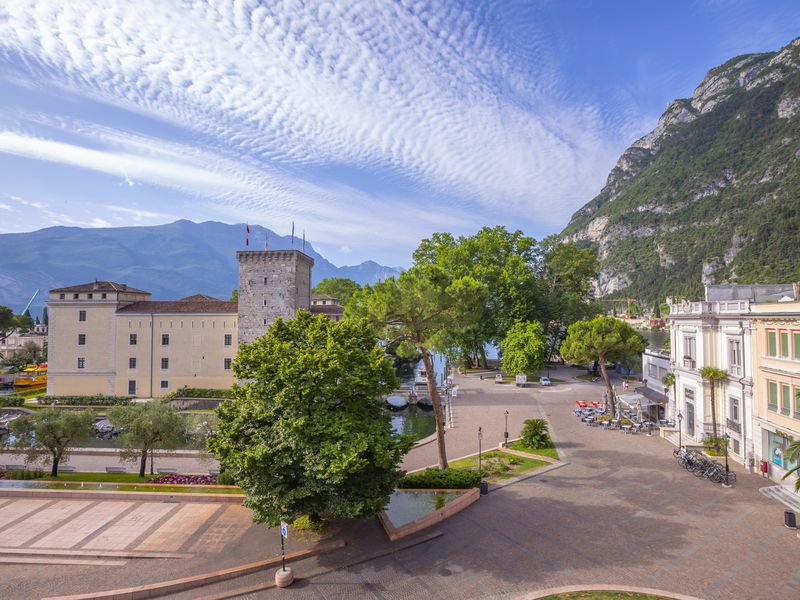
(614, 423)
(604, 424)
(626, 429)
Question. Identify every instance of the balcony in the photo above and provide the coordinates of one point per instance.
(689, 362)
(733, 426)
(718, 307)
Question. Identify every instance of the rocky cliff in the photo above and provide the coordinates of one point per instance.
(712, 194)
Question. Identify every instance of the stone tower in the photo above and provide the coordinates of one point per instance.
(272, 284)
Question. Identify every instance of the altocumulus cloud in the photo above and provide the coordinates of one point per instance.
(272, 96)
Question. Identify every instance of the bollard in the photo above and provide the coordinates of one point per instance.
(484, 488)
(284, 577)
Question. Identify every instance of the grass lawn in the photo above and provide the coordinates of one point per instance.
(603, 596)
(523, 465)
(548, 452)
(585, 377)
(102, 477)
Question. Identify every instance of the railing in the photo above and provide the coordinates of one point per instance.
(734, 426)
(720, 307)
(689, 362)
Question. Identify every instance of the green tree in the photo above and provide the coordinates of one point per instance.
(340, 288)
(9, 322)
(45, 316)
(603, 339)
(234, 296)
(713, 375)
(523, 348)
(147, 426)
(424, 309)
(792, 454)
(535, 434)
(670, 382)
(29, 354)
(307, 432)
(52, 432)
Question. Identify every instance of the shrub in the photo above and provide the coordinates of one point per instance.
(187, 392)
(98, 400)
(11, 400)
(225, 479)
(715, 443)
(305, 523)
(25, 474)
(185, 479)
(457, 479)
(535, 434)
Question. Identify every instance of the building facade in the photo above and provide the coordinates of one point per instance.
(108, 338)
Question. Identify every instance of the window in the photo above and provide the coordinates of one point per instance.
(734, 357)
(797, 403)
(772, 343)
(165, 339)
(131, 387)
(777, 446)
(90, 296)
(132, 362)
(61, 296)
(689, 352)
(81, 339)
(784, 344)
(734, 409)
(74, 296)
(265, 281)
(228, 339)
(796, 344)
(81, 362)
(164, 384)
(165, 363)
(81, 315)
(652, 371)
(227, 364)
(772, 395)
(103, 296)
(133, 339)
(786, 399)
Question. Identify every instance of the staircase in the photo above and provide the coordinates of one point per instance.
(783, 495)
(673, 438)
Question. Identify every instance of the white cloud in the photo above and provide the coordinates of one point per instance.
(425, 91)
(5, 207)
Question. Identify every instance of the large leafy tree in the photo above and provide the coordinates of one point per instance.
(340, 288)
(52, 432)
(792, 454)
(424, 309)
(712, 375)
(307, 432)
(9, 322)
(30, 353)
(602, 339)
(148, 426)
(523, 348)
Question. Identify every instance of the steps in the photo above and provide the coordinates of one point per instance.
(783, 495)
(673, 438)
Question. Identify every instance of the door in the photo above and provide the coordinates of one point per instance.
(690, 418)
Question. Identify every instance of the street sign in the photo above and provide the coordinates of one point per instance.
(284, 530)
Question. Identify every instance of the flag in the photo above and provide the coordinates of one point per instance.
(247, 235)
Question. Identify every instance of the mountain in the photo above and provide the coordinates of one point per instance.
(171, 261)
(712, 195)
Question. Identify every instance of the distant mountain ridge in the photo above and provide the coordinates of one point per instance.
(171, 261)
(712, 195)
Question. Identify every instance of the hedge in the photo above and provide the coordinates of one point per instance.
(98, 400)
(457, 479)
(187, 392)
(11, 400)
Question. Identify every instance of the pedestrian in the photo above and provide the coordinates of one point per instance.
(481, 377)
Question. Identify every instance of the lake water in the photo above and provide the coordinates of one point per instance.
(407, 507)
(414, 421)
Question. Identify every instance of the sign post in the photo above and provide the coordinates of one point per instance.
(284, 535)
(284, 577)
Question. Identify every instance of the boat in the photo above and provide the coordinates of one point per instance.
(32, 376)
(397, 402)
(425, 403)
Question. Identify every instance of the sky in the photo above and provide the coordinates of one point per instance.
(370, 124)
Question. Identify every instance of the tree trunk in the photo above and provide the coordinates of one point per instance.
(437, 407)
(143, 463)
(484, 363)
(54, 467)
(714, 412)
(609, 390)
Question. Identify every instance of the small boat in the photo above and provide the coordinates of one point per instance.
(31, 376)
(397, 402)
(425, 403)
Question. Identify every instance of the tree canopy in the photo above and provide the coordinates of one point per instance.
(523, 348)
(52, 432)
(340, 288)
(713, 375)
(9, 322)
(602, 339)
(425, 309)
(307, 432)
(148, 426)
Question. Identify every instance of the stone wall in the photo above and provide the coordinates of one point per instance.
(272, 284)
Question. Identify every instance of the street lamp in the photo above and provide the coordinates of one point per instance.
(680, 430)
(727, 471)
(484, 487)
(505, 433)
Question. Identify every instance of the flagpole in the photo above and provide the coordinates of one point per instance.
(292, 235)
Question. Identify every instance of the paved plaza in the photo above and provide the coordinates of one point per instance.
(621, 511)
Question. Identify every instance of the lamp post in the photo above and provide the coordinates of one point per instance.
(484, 487)
(505, 433)
(727, 471)
(680, 431)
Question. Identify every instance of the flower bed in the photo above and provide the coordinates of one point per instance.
(3, 475)
(186, 479)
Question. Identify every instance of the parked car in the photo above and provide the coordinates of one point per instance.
(544, 381)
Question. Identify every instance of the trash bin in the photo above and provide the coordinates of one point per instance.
(763, 468)
(789, 519)
(485, 488)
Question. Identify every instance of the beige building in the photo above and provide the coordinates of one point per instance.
(322, 304)
(776, 411)
(109, 338)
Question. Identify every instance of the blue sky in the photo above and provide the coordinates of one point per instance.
(369, 123)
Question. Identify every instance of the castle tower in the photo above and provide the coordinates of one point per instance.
(272, 284)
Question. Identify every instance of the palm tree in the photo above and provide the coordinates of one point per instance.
(792, 454)
(669, 381)
(713, 375)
